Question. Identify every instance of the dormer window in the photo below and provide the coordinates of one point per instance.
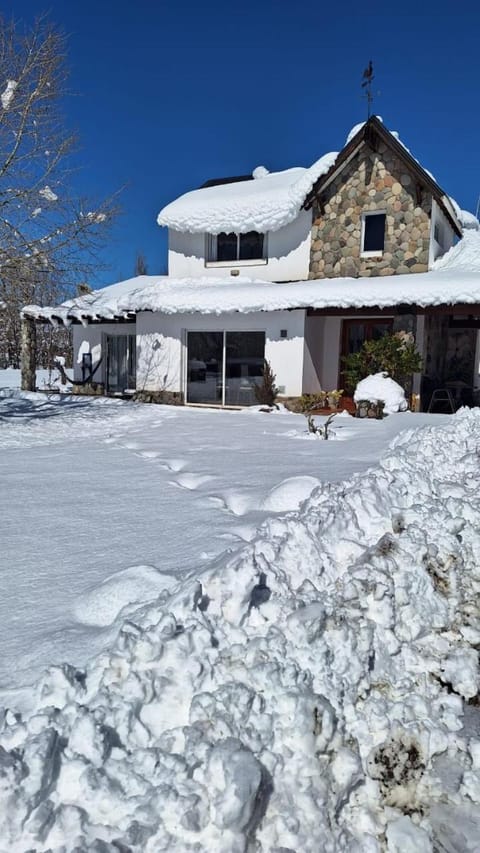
(373, 234)
(231, 248)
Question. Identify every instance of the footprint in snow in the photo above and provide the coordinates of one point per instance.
(244, 533)
(233, 502)
(174, 464)
(192, 481)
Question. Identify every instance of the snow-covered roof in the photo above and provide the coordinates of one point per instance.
(266, 203)
(454, 279)
(272, 200)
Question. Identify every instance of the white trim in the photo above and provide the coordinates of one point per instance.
(342, 165)
(251, 262)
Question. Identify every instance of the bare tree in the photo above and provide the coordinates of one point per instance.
(48, 236)
(140, 264)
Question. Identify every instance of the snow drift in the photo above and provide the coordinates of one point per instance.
(316, 690)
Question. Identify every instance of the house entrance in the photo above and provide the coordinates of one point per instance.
(354, 335)
(121, 367)
(223, 367)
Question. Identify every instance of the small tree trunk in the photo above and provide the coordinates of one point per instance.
(28, 360)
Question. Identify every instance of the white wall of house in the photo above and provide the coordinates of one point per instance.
(442, 235)
(330, 347)
(313, 355)
(161, 345)
(288, 255)
(89, 339)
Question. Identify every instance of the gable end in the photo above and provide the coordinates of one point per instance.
(372, 134)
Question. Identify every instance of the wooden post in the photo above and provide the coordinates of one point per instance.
(28, 357)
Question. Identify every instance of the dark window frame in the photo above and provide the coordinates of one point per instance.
(373, 235)
(233, 248)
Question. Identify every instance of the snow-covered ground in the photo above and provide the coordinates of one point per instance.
(11, 378)
(311, 685)
(103, 498)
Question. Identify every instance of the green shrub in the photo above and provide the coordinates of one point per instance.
(393, 354)
(312, 401)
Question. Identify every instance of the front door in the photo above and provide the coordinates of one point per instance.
(120, 363)
(354, 335)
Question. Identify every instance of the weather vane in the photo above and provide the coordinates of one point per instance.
(368, 78)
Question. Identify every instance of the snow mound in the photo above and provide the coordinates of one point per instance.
(289, 494)
(268, 202)
(315, 690)
(135, 585)
(379, 387)
(469, 221)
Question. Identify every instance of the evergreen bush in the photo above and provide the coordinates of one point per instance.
(394, 354)
(266, 391)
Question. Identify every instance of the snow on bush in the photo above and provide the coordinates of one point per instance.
(380, 387)
(317, 690)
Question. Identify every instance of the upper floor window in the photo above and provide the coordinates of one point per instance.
(235, 247)
(373, 233)
(438, 233)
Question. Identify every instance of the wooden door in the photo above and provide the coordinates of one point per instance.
(355, 333)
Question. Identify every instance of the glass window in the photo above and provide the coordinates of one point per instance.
(235, 247)
(374, 232)
(251, 246)
(226, 247)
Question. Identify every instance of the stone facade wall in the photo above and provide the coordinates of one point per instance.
(374, 180)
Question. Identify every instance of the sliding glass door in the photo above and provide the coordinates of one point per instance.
(223, 367)
(204, 367)
(121, 366)
(244, 356)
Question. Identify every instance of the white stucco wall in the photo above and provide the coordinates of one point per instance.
(288, 251)
(161, 345)
(313, 355)
(331, 345)
(89, 339)
(448, 236)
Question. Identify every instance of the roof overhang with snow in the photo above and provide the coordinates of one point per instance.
(267, 203)
(454, 281)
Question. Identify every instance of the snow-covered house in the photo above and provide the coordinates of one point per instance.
(298, 267)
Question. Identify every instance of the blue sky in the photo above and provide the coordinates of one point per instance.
(170, 93)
